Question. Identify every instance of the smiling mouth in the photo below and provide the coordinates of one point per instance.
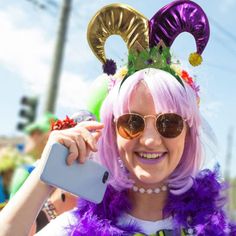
(151, 156)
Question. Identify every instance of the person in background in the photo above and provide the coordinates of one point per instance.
(10, 160)
(36, 138)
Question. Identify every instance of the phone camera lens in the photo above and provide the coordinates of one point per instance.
(105, 177)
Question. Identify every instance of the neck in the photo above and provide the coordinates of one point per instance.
(147, 206)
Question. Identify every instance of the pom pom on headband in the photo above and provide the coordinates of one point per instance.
(109, 67)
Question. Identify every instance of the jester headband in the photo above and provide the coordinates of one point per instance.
(171, 20)
(149, 41)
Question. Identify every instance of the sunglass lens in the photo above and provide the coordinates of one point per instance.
(130, 126)
(170, 125)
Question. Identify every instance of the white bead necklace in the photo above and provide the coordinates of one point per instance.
(149, 190)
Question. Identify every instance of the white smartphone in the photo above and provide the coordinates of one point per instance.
(88, 180)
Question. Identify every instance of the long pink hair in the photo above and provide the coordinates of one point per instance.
(168, 96)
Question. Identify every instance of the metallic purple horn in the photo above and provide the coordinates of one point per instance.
(177, 17)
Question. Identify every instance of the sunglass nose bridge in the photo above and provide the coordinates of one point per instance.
(150, 116)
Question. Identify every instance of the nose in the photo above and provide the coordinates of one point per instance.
(150, 136)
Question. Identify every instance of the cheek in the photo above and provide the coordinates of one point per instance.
(125, 147)
(176, 147)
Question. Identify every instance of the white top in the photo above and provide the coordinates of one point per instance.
(57, 227)
(148, 227)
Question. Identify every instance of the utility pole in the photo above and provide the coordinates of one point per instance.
(58, 57)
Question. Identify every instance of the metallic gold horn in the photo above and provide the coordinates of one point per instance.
(118, 19)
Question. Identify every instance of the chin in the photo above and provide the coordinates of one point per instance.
(148, 178)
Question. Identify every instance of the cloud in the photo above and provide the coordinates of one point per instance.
(27, 52)
(75, 89)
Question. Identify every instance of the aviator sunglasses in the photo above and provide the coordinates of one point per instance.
(132, 125)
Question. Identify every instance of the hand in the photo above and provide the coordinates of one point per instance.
(80, 140)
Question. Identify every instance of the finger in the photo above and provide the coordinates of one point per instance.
(91, 125)
(88, 151)
(72, 148)
(81, 145)
(88, 138)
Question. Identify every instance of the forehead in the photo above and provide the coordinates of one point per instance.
(141, 100)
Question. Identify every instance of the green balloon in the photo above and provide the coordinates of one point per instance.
(97, 93)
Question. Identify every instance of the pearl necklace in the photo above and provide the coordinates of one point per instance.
(149, 190)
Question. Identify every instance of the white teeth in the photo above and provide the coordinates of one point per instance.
(149, 155)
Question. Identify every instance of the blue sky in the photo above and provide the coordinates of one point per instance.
(27, 44)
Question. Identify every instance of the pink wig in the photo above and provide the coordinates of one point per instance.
(169, 96)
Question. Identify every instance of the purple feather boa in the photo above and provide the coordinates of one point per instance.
(200, 208)
(101, 219)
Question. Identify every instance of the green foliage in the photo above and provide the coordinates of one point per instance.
(157, 57)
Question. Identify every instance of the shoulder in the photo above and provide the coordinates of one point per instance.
(60, 225)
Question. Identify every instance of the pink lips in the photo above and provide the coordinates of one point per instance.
(151, 161)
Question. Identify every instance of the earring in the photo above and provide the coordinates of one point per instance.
(122, 166)
(121, 163)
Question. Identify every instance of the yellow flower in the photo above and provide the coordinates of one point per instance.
(177, 69)
(122, 73)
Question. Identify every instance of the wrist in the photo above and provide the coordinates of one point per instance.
(42, 185)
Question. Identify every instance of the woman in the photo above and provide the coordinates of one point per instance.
(149, 139)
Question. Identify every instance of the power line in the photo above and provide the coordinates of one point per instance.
(53, 4)
(44, 6)
(38, 4)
